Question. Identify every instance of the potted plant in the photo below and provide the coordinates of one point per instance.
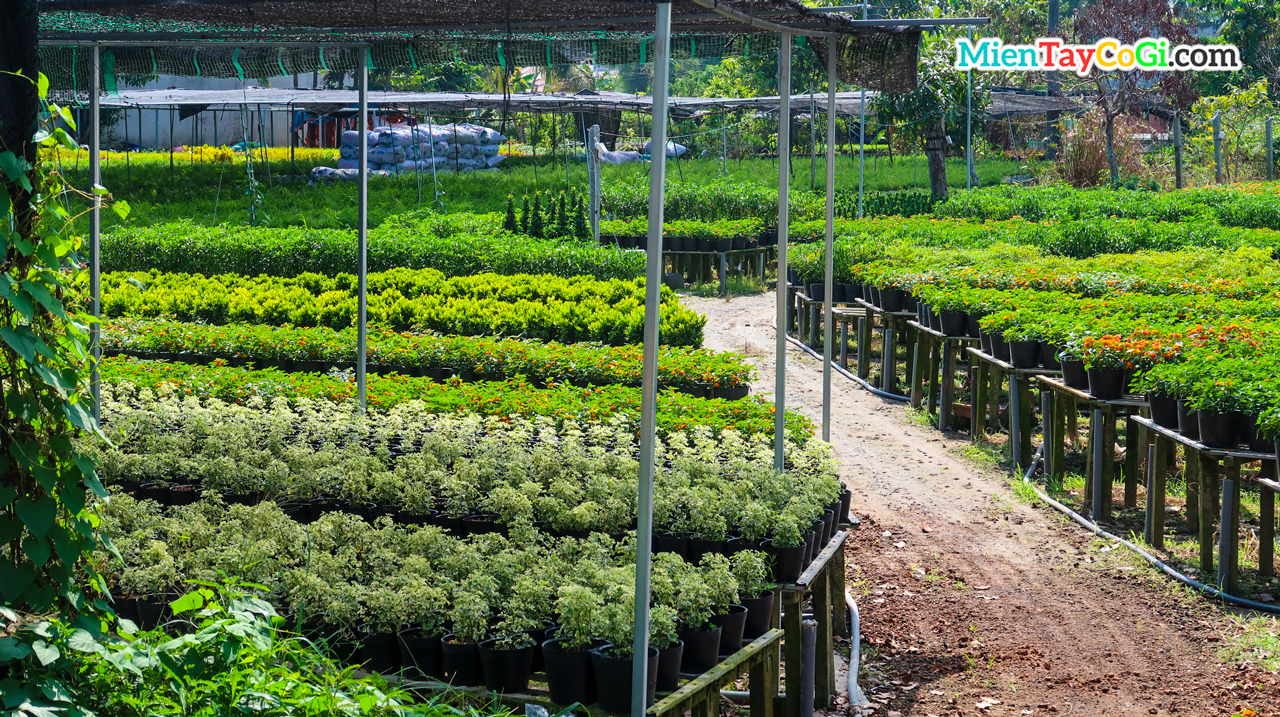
(567, 656)
(420, 642)
(663, 638)
(751, 569)
(386, 607)
(612, 662)
(727, 613)
(469, 612)
(695, 606)
(507, 658)
(788, 547)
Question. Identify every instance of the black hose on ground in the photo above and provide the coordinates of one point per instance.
(1158, 563)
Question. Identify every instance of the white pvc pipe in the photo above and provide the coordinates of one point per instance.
(649, 380)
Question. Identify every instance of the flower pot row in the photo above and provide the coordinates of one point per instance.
(950, 323)
(1215, 429)
(685, 243)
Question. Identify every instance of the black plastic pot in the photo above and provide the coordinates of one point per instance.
(909, 302)
(540, 636)
(732, 624)
(320, 506)
(699, 547)
(420, 655)
(974, 330)
(739, 243)
(154, 610)
(1164, 410)
(829, 518)
(184, 494)
(955, 323)
(846, 502)
(701, 650)
(461, 663)
(505, 671)
(1219, 430)
(669, 659)
(788, 563)
(810, 547)
(153, 491)
(891, 299)
(613, 679)
(723, 245)
(837, 293)
(759, 615)
(1049, 356)
(379, 651)
(855, 291)
(1188, 426)
(934, 319)
(1024, 354)
(813, 291)
(984, 342)
(569, 674)
(1074, 375)
(126, 607)
(1000, 348)
(1106, 384)
(675, 243)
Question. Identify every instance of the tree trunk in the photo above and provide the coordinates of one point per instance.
(1111, 148)
(935, 147)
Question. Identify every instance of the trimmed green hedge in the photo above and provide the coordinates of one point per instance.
(457, 245)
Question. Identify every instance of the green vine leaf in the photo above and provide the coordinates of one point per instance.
(38, 514)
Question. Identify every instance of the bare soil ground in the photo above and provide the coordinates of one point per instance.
(975, 602)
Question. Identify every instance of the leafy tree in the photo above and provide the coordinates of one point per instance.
(937, 109)
(1253, 26)
(1123, 92)
(1242, 112)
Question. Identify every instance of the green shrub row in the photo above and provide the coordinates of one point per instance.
(317, 349)
(516, 397)
(1252, 206)
(542, 307)
(457, 245)
(743, 200)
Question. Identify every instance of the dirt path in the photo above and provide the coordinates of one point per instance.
(975, 603)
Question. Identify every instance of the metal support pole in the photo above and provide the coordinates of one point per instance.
(1271, 164)
(968, 127)
(362, 266)
(1216, 122)
(593, 179)
(649, 380)
(95, 230)
(829, 258)
(862, 134)
(813, 142)
(1177, 150)
(784, 158)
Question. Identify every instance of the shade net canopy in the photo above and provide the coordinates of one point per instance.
(249, 39)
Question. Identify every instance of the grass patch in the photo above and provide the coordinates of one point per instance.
(1254, 639)
(735, 285)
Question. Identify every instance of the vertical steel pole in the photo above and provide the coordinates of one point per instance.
(968, 128)
(862, 134)
(593, 180)
(784, 179)
(828, 323)
(1217, 147)
(649, 379)
(1177, 150)
(1271, 164)
(95, 230)
(362, 329)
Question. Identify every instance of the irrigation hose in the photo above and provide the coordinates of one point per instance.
(1208, 590)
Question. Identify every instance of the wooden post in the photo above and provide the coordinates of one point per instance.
(1148, 530)
(908, 341)
(864, 345)
(948, 384)
(1059, 445)
(1271, 164)
(1160, 473)
(1208, 489)
(917, 368)
(764, 684)
(1090, 464)
(1027, 414)
(1108, 448)
(980, 403)
(839, 614)
(994, 379)
(844, 345)
(1229, 528)
(1072, 408)
(1191, 477)
(1135, 446)
(934, 359)
(1267, 523)
(824, 678)
(1015, 420)
(888, 361)
(791, 648)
